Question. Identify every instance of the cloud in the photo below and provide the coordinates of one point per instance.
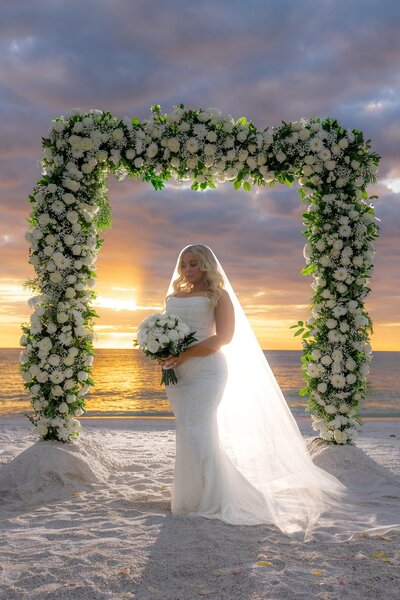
(270, 61)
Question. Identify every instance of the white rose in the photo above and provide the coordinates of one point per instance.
(101, 155)
(138, 162)
(173, 335)
(57, 391)
(153, 346)
(173, 144)
(42, 377)
(304, 134)
(326, 360)
(72, 216)
(330, 165)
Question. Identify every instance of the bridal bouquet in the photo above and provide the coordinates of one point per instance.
(162, 335)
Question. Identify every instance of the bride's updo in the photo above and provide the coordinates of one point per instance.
(207, 263)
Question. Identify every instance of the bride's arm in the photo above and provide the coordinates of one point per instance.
(224, 327)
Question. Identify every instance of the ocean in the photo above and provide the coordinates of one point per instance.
(128, 384)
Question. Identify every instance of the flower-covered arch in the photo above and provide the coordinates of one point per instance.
(333, 166)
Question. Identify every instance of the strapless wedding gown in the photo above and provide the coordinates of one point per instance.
(206, 482)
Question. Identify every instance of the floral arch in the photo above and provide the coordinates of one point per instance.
(333, 166)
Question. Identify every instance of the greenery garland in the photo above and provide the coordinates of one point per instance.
(69, 208)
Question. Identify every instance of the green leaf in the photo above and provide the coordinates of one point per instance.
(308, 269)
(247, 186)
(299, 331)
(303, 391)
(241, 121)
(300, 323)
(237, 184)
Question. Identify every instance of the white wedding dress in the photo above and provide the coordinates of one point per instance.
(205, 478)
(260, 471)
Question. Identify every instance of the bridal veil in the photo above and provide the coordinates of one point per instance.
(261, 437)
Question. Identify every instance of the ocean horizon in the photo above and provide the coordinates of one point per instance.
(128, 384)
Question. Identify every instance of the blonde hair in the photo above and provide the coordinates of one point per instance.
(207, 264)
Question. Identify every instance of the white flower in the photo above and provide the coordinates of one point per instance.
(44, 219)
(57, 391)
(341, 273)
(173, 144)
(62, 317)
(101, 155)
(334, 336)
(152, 150)
(343, 143)
(281, 156)
(72, 216)
(82, 375)
(192, 145)
(316, 144)
(63, 408)
(338, 380)
(153, 346)
(307, 170)
(326, 359)
(331, 323)
(118, 134)
(210, 149)
(350, 364)
(351, 378)
(313, 370)
(304, 134)
(56, 277)
(322, 387)
(330, 165)
(42, 377)
(138, 162)
(57, 376)
(54, 360)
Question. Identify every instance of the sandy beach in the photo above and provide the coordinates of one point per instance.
(92, 520)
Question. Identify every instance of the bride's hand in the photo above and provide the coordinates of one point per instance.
(172, 361)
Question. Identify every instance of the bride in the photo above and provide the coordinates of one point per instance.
(240, 456)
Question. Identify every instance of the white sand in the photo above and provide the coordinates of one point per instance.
(92, 520)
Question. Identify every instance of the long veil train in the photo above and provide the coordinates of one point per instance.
(260, 436)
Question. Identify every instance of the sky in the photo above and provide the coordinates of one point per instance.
(270, 61)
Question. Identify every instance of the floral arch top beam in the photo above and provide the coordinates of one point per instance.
(333, 166)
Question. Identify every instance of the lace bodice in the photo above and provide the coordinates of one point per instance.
(196, 311)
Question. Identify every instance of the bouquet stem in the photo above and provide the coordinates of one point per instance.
(168, 377)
